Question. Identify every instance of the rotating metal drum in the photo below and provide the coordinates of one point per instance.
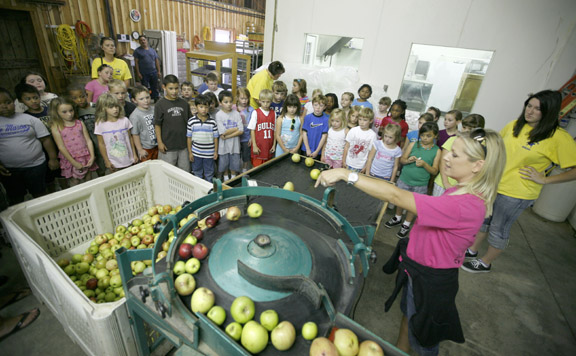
(300, 258)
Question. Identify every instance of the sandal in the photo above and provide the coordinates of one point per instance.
(16, 296)
(21, 325)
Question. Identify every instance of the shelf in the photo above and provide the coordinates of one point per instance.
(208, 60)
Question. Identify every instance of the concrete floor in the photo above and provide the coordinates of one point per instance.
(525, 306)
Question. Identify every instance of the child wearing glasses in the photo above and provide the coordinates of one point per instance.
(442, 181)
(336, 141)
(288, 126)
(420, 160)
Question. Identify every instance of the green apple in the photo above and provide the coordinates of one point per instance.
(283, 336)
(179, 268)
(295, 158)
(269, 319)
(101, 273)
(242, 309)
(77, 258)
(116, 281)
(315, 173)
(82, 268)
(111, 265)
(190, 239)
(93, 249)
(202, 300)
(309, 330)
(346, 342)
(70, 270)
(255, 210)
(254, 337)
(234, 330)
(309, 161)
(185, 284)
(217, 314)
(110, 297)
(192, 265)
(104, 282)
(289, 186)
(139, 267)
(370, 348)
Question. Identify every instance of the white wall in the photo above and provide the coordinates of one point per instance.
(534, 40)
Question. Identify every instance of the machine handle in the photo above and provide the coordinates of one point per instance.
(144, 293)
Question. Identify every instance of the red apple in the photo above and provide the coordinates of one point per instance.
(198, 234)
(148, 239)
(211, 221)
(92, 283)
(216, 215)
(200, 251)
(185, 251)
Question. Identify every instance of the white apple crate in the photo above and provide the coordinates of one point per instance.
(61, 224)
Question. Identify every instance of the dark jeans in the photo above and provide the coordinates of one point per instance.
(150, 81)
(203, 168)
(22, 180)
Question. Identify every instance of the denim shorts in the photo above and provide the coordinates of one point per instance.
(505, 212)
(409, 309)
(421, 189)
(229, 161)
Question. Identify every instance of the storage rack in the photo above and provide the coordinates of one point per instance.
(232, 67)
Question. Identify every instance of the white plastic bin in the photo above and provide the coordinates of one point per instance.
(556, 200)
(58, 225)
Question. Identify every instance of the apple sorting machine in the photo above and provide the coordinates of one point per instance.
(300, 258)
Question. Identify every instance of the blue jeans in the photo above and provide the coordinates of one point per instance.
(150, 81)
(506, 212)
(409, 309)
(203, 168)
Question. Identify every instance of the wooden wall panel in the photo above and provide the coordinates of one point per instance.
(183, 17)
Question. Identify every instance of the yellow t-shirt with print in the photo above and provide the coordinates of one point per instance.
(559, 149)
(446, 146)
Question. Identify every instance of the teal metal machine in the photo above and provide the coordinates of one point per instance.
(301, 258)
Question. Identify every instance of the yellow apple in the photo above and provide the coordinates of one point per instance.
(295, 158)
(255, 210)
(309, 161)
(289, 186)
(314, 174)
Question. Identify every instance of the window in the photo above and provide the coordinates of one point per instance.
(445, 77)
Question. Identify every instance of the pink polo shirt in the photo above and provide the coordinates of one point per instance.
(445, 227)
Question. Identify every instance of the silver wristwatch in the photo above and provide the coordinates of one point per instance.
(352, 178)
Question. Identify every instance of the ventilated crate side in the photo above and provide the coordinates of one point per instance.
(66, 228)
(126, 201)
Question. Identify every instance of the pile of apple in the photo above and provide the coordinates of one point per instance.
(96, 271)
(344, 342)
(309, 162)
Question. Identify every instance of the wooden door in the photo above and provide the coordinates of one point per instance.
(19, 48)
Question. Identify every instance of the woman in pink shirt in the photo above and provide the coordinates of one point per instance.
(428, 262)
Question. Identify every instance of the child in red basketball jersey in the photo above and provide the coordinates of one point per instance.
(262, 124)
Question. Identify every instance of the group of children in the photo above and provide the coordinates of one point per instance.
(96, 128)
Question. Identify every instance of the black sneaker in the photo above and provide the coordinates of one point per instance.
(475, 266)
(404, 230)
(470, 254)
(393, 222)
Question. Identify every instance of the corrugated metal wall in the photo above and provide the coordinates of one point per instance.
(182, 16)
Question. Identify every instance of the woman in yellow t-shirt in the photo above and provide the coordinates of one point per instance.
(533, 142)
(119, 66)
